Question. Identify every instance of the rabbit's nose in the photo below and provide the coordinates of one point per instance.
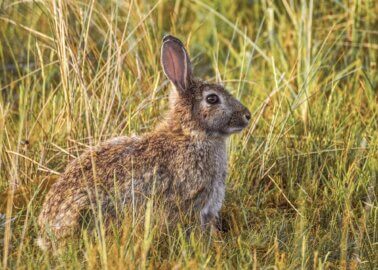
(246, 116)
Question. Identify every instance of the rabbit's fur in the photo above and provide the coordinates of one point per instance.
(183, 161)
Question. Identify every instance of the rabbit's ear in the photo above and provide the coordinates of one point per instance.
(176, 63)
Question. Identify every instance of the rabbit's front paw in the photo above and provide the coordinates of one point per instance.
(207, 220)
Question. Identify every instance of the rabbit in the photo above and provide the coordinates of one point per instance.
(183, 160)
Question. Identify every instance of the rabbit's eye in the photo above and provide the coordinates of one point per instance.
(212, 99)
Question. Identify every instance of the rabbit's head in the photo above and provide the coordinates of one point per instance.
(198, 106)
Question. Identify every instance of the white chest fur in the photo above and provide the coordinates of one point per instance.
(217, 189)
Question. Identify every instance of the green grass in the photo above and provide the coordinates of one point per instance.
(302, 185)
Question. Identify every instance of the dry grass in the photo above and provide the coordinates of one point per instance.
(302, 187)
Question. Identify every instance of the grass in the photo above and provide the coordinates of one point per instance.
(302, 184)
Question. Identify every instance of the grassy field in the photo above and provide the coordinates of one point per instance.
(302, 184)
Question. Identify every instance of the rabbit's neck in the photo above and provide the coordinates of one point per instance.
(179, 119)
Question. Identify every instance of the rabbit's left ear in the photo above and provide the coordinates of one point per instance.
(176, 63)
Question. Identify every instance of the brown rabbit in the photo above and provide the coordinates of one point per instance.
(183, 161)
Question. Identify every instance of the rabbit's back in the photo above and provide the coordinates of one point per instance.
(84, 179)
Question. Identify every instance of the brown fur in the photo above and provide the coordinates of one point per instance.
(183, 161)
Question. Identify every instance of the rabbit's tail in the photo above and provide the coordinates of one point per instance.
(42, 243)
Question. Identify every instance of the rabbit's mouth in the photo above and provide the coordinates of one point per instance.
(238, 121)
(231, 130)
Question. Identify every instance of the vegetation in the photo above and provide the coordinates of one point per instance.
(302, 184)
